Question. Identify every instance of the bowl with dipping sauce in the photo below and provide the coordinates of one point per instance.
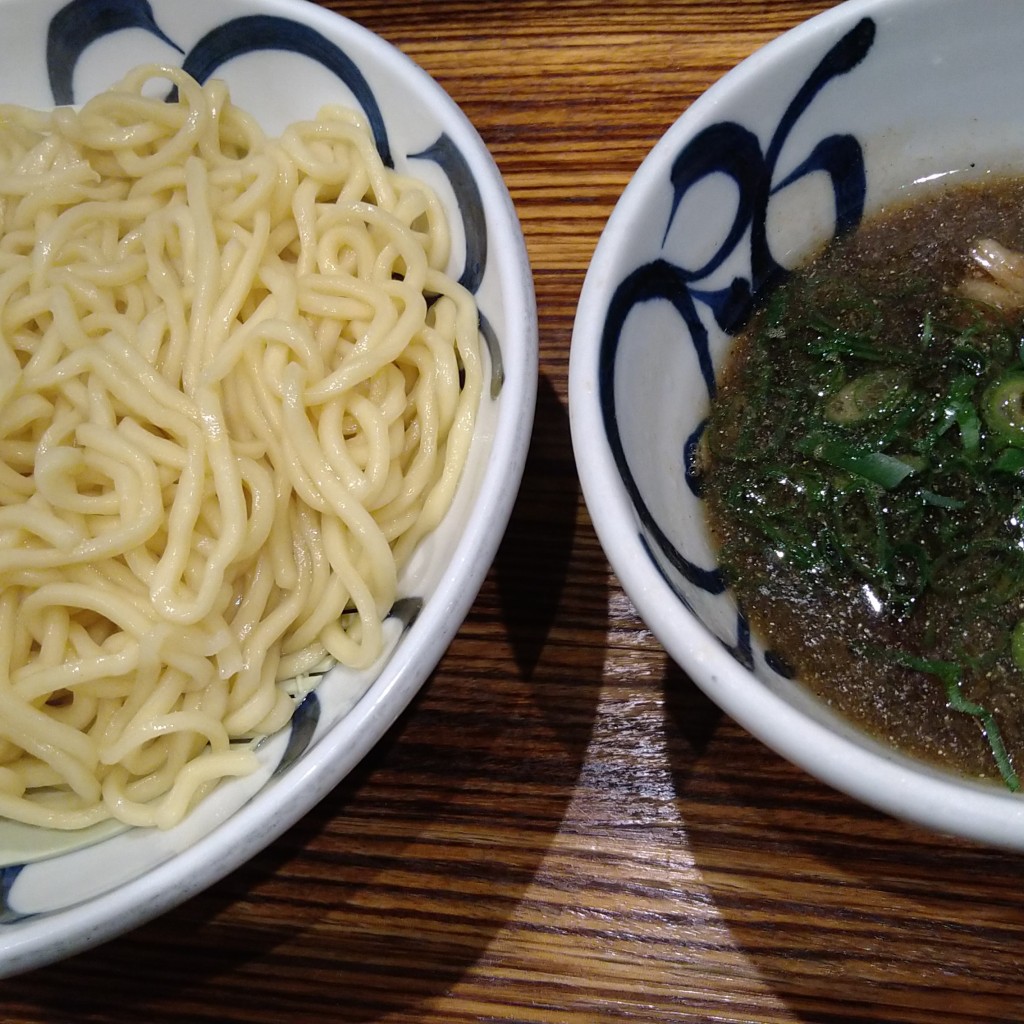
(269, 368)
(795, 386)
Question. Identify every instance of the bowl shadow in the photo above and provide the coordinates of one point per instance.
(845, 913)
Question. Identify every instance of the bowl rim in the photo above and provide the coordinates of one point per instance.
(37, 942)
(881, 778)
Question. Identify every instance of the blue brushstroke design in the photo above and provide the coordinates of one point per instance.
(706, 579)
(494, 350)
(302, 728)
(254, 32)
(733, 150)
(8, 876)
(709, 580)
(406, 610)
(659, 280)
(848, 178)
(450, 159)
(447, 156)
(840, 157)
(79, 24)
(724, 148)
(743, 650)
(729, 306)
(779, 665)
(306, 716)
(691, 470)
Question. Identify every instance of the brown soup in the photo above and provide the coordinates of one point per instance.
(863, 466)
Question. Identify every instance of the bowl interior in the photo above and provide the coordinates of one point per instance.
(283, 60)
(868, 103)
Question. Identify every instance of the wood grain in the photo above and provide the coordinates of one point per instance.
(562, 829)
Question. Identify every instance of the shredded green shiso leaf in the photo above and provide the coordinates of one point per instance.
(846, 455)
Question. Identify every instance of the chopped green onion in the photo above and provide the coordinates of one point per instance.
(1004, 407)
(927, 330)
(873, 394)
(941, 501)
(886, 471)
(961, 401)
(1017, 645)
(951, 676)
(1009, 460)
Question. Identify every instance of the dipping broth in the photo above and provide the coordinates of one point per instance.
(863, 467)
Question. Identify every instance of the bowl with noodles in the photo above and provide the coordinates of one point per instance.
(795, 384)
(269, 365)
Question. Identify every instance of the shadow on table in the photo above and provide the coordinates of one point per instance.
(384, 895)
(844, 913)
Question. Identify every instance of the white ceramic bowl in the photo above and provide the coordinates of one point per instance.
(858, 106)
(283, 59)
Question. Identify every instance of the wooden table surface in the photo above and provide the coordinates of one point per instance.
(561, 828)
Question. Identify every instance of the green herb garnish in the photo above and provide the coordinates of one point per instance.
(892, 463)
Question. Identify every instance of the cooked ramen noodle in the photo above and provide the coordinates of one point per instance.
(236, 389)
(998, 277)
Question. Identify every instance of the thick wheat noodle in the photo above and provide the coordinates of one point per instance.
(237, 388)
(996, 275)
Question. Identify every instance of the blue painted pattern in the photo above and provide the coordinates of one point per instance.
(8, 876)
(74, 28)
(730, 149)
